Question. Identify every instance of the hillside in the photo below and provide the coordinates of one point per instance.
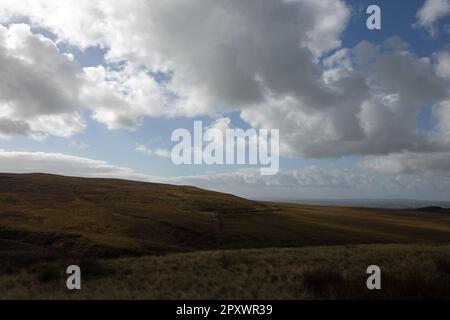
(54, 215)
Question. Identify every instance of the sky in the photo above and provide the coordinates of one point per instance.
(96, 89)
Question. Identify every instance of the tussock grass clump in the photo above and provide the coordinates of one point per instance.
(49, 273)
(95, 269)
(323, 282)
(442, 264)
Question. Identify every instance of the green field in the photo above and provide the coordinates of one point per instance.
(142, 240)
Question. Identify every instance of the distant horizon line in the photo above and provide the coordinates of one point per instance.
(348, 199)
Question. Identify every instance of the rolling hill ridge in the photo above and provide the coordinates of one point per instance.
(55, 215)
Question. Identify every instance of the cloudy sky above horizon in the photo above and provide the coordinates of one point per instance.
(96, 89)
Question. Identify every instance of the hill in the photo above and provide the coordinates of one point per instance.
(145, 240)
(42, 215)
(435, 209)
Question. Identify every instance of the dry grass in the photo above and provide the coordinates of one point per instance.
(408, 272)
(113, 218)
(106, 225)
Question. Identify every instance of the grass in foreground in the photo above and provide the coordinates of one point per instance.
(408, 272)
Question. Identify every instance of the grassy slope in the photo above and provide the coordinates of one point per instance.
(114, 217)
(408, 272)
(83, 221)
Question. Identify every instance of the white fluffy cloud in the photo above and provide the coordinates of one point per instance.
(313, 182)
(376, 95)
(278, 63)
(431, 12)
(57, 163)
(122, 98)
(432, 163)
(142, 148)
(159, 152)
(44, 92)
(308, 177)
(219, 55)
(38, 86)
(442, 65)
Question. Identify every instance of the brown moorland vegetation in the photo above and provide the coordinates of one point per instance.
(118, 229)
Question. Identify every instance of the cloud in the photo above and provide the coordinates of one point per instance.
(121, 98)
(10, 127)
(57, 163)
(217, 56)
(441, 113)
(409, 172)
(433, 163)
(162, 153)
(431, 12)
(310, 177)
(322, 182)
(79, 145)
(44, 92)
(442, 64)
(278, 63)
(307, 182)
(377, 93)
(38, 86)
(142, 148)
